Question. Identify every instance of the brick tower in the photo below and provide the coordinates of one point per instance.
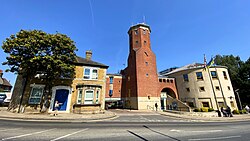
(141, 78)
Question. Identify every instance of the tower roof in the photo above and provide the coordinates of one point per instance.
(139, 25)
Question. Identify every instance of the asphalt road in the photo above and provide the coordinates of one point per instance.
(128, 127)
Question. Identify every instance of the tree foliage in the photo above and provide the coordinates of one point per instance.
(239, 72)
(34, 51)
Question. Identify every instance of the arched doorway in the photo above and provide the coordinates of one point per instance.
(165, 92)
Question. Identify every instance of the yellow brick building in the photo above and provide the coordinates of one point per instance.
(83, 93)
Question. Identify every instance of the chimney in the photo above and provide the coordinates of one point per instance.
(88, 54)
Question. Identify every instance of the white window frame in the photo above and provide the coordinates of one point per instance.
(33, 86)
(79, 96)
(88, 100)
(91, 75)
(97, 96)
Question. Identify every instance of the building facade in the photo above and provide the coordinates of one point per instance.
(85, 92)
(5, 89)
(141, 86)
(199, 87)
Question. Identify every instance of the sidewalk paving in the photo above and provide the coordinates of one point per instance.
(183, 115)
(107, 115)
(61, 117)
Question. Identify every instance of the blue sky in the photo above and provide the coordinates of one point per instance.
(182, 30)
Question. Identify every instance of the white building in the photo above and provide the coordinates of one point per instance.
(199, 87)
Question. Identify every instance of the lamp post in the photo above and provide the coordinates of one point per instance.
(238, 97)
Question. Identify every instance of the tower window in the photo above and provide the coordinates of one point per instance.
(144, 31)
(145, 42)
(225, 74)
(146, 63)
(136, 42)
(147, 74)
(136, 32)
(188, 90)
(146, 53)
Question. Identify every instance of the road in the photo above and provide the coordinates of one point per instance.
(128, 127)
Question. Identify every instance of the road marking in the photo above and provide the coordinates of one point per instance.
(27, 134)
(217, 138)
(205, 131)
(69, 134)
(10, 129)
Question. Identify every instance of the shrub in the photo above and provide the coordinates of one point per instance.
(197, 110)
(236, 112)
(204, 109)
(243, 111)
(210, 109)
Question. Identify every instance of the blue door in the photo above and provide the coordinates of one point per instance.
(62, 98)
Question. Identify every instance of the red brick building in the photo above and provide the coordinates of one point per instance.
(141, 87)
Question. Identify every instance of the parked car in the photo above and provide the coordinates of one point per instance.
(2, 98)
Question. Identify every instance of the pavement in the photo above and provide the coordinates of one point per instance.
(111, 114)
(61, 117)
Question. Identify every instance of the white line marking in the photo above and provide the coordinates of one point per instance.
(207, 131)
(10, 129)
(27, 134)
(217, 138)
(69, 134)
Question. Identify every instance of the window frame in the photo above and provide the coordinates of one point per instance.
(90, 76)
(225, 74)
(78, 97)
(87, 100)
(185, 77)
(214, 74)
(199, 77)
(36, 97)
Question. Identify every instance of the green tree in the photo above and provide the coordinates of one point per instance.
(239, 73)
(244, 74)
(32, 52)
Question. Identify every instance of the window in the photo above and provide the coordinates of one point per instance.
(79, 98)
(111, 80)
(86, 73)
(205, 104)
(217, 88)
(110, 93)
(145, 42)
(232, 104)
(89, 94)
(185, 77)
(94, 74)
(202, 89)
(36, 94)
(225, 74)
(146, 63)
(97, 97)
(146, 53)
(188, 90)
(199, 75)
(136, 42)
(144, 31)
(90, 73)
(147, 74)
(164, 80)
(171, 81)
(213, 74)
(136, 32)
(221, 104)
(228, 87)
(160, 80)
